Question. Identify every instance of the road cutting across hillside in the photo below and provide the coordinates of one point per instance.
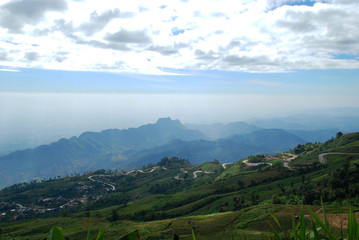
(323, 160)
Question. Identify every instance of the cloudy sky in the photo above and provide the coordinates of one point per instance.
(100, 64)
(168, 37)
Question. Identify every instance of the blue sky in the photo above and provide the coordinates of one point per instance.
(189, 95)
(298, 82)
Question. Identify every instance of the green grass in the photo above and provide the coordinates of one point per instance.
(315, 228)
(304, 160)
(206, 227)
(265, 222)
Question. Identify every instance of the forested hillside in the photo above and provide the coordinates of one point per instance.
(170, 197)
(135, 147)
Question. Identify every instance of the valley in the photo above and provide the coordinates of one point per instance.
(173, 195)
(136, 147)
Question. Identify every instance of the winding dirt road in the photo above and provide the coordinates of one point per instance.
(322, 157)
(224, 165)
(195, 173)
(94, 180)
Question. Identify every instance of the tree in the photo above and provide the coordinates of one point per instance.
(239, 203)
(275, 199)
(114, 215)
(299, 149)
(281, 186)
(339, 134)
(254, 198)
(240, 184)
(186, 176)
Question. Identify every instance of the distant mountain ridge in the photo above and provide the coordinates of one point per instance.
(135, 147)
(89, 151)
(318, 120)
(344, 119)
(275, 140)
(219, 130)
(230, 149)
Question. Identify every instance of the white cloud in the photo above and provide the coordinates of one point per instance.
(18, 13)
(8, 70)
(145, 36)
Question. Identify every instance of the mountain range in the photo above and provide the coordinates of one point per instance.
(219, 201)
(136, 147)
(21, 134)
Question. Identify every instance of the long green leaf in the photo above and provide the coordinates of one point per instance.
(302, 224)
(353, 226)
(101, 235)
(350, 226)
(276, 220)
(325, 216)
(355, 230)
(276, 234)
(131, 236)
(89, 229)
(295, 228)
(56, 234)
(321, 224)
(315, 231)
(193, 235)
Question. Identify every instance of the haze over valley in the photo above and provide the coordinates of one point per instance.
(136, 147)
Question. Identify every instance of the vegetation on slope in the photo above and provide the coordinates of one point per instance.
(166, 199)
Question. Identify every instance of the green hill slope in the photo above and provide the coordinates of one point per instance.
(219, 201)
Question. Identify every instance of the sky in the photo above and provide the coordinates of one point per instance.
(67, 66)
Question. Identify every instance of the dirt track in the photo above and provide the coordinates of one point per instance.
(323, 159)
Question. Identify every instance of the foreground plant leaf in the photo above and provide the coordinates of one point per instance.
(132, 236)
(56, 234)
(276, 234)
(353, 226)
(321, 224)
(89, 229)
(193, 235)
(101, 235)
